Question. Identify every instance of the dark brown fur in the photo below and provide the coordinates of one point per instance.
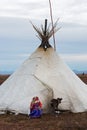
(55, 103)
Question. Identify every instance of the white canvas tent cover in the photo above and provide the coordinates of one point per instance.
(45, 75)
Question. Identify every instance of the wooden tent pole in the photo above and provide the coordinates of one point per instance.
(52, 24)
(45, 28)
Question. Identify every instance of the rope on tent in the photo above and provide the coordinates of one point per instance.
(49, 89)
(52, 24)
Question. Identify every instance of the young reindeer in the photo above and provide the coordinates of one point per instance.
(54, 105)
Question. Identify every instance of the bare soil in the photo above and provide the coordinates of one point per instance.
(62, 121)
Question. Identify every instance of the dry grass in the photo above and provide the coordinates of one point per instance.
(3, 78)
(64, 121)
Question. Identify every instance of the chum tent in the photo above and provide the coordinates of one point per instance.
(45, 75)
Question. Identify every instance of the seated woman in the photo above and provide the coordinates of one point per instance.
(35, 108)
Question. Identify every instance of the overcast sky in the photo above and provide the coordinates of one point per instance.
(18, 40)
(74, 11)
